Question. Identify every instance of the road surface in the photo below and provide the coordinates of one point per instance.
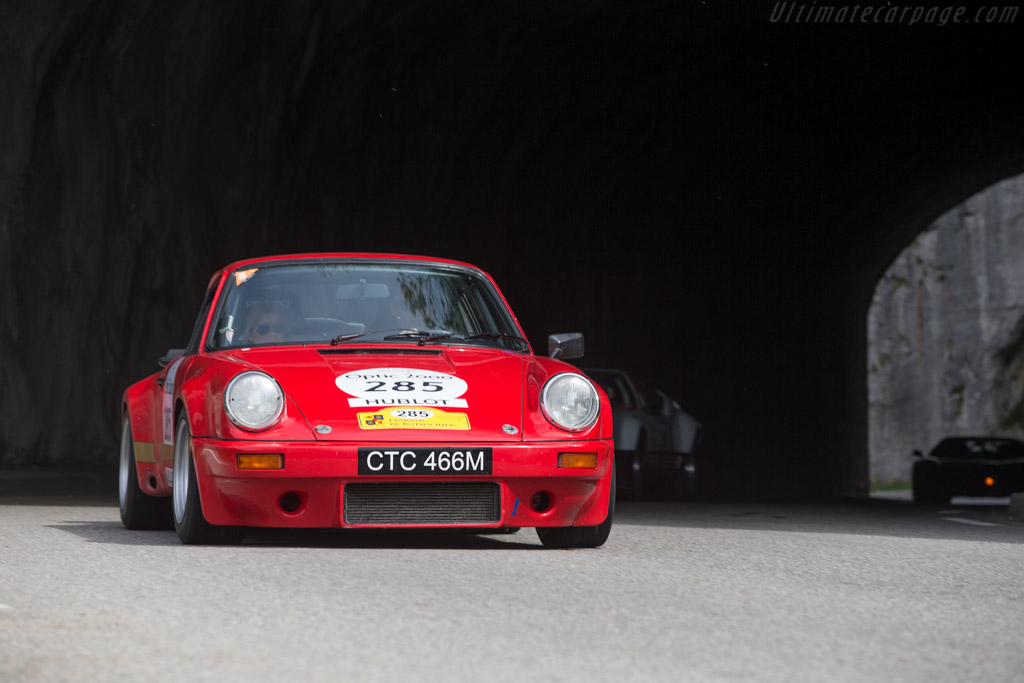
(870, 591)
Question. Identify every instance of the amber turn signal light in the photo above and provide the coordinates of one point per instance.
(577, 460)
(989, 481)
(261, 461)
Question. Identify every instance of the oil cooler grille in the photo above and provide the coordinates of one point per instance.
(422, 503)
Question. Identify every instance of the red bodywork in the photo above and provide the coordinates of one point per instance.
(502, 391)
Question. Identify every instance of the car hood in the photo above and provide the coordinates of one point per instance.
(408, 394)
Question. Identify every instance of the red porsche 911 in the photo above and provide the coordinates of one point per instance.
(365, 391)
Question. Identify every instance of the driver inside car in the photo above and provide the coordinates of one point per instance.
(270, 323)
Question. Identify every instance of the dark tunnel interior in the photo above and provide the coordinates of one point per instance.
(710, 195)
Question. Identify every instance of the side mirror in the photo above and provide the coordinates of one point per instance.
(565, 346)
(169, 356)
(918, 453)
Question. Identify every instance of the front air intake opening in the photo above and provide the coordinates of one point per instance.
(407, 504)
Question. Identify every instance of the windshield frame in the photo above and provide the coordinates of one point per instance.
(502, 309)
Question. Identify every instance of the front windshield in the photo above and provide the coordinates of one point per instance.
(349, 302)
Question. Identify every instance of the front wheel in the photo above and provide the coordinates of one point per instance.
(581, 536)
(138, 510)
(689, 486)
(189, 522)
(688, 477)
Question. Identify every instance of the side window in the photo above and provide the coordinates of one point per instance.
(615, 386)
(624, 392)
(197, 329)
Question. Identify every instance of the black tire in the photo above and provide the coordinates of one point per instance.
(581, 536)
(688, 478)
(687, 484)
(189, 522)
(926, 489)
(139, 510)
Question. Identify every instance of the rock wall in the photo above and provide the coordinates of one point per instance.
(112, 187)
(143, 145)
(946, 333)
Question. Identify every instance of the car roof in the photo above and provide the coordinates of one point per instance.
(331, 256)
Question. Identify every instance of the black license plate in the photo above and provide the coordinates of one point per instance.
(440, 460)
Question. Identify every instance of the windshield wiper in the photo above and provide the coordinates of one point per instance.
(425, 337)
(345, 337)
(421, 336)
(418, 335)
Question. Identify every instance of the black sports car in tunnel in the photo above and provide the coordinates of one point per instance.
(969, 466)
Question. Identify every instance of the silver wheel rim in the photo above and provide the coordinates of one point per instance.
(124, 467)
(182, 452)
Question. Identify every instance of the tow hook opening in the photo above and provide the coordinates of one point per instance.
(291, 502)
(540, 501)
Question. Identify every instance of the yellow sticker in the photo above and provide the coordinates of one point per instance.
(243, 275)
(413, 418)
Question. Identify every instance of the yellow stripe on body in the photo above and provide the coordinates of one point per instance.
(144, 451)
(166, 453)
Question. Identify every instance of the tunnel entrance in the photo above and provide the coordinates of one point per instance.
(708, 195)
(946, 334)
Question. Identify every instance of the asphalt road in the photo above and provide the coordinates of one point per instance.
(877, 591)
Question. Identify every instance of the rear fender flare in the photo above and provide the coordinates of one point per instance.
(137, 406)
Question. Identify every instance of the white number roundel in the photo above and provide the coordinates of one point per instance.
(382, 387)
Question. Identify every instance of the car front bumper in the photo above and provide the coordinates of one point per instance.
(310, 491)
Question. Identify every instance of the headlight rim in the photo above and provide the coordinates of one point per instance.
(551, 418)
(234, 419)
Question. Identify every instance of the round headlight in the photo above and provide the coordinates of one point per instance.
(253, 400)
(570, 402)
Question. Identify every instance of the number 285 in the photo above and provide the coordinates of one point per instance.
(406, 385)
